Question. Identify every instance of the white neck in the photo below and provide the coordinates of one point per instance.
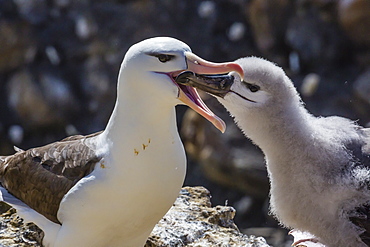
(138, 116)
(144, 118)
(278, 133)
(143, 161)
(142, 135)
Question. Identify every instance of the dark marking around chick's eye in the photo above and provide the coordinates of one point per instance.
(252, 87)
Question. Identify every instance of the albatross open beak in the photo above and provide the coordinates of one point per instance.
(190, 96)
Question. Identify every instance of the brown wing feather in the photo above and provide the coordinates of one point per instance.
(41, 176)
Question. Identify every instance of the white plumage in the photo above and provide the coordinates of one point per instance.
(119, 183)
(319, 167)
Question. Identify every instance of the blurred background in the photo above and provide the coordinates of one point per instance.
(59, 61)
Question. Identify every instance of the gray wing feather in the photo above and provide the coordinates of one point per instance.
(360, 216)
(366, 147)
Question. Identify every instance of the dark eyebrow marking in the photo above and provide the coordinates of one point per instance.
(156, 54)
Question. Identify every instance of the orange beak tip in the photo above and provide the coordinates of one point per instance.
(237, 68)
(203, 110)
(220, 124)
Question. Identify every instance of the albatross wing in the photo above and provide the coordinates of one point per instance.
(51, 171)
(361, 215)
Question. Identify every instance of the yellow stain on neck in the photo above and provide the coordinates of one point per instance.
(102, 165)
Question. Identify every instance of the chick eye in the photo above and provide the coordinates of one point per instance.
(252, 87)
(164, 57)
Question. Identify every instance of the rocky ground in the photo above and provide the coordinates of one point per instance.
(59, 61)
(191, 222)
(15, 232)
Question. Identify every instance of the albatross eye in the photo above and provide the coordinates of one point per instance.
(252, 87)
(164, 57)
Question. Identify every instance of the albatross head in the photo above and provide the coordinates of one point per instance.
(153, 65)
(260, 101)
(263, 88)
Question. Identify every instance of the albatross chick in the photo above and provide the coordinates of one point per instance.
(319, 167)
(111, 188)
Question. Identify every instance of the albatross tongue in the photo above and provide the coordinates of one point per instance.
(190, 97)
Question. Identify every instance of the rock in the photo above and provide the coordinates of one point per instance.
(16, 134)
(14, 232)
(315, 40)
(362, 86)
(361, 91)
(354, 18)
(62, 3)
(16, 40)
(7, 9)
(26, 99)
(52, 55)
(310, 84)
(236, 31)
(40, 99)
(85, 27)
(269, 28)
(98, 86)
(275, 237)
(58, 93)
(207, 9)
(34, 11)
(191, 221)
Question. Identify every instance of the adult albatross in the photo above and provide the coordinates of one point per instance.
(319, 167)
(111, 188)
